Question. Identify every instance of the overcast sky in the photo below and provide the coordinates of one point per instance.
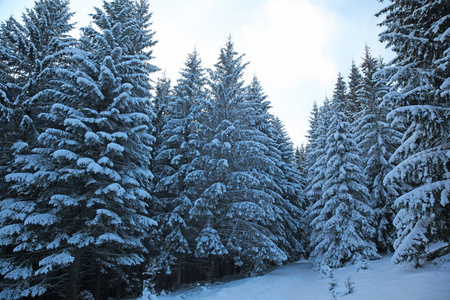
(295, 47)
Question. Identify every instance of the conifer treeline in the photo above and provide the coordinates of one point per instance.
(104, 185)
(395, 121)
(350, 144)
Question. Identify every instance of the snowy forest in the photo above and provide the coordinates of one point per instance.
(114, 182)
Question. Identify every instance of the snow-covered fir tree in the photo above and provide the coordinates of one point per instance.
(81, 212)
(288, 196)
(313, 134)
(290, 206)
(300, 157)
(261, 118)
(27, 50)
(291, 186)
(355, 79)
(232, 172)
(102, 184)
(209, 245)
(181, 138)
(161, 108)
(341, 94)
(418, 32)
(300, 163)
(377, 140)
(316, 160)
(342, 226)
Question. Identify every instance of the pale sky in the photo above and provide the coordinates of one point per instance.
(295, 47)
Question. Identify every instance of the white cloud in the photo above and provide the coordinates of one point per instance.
(290, 49)
(15, 8)
(296, 47)
(180, 27)
(288, 43)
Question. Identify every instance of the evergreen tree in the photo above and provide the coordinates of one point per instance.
(354, 104)
(161, 108)
(300, 163)
(83, 192)
(209, 245)
(288, 196)
(27, 51)
(313, 124)
(292, 186)
(232, 172)
(377, 140)
(292, 201)
(418, 32)
(261, 118)
(340, 97)
(341, 228)
(316, 159)
(181, 139)
(313, 135)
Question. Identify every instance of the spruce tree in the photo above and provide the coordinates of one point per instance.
(342, 225)
(288, 192)
(300, 163)
(27, 50)
(161, 108)
(181, 138)
(377, 140)
(292, 185)
(316, 160)
(341, 97)
(354, 104)
(418, 32)
(257, 100)
(313, 135)
(291, 204)
(231, 172)
(85, 186)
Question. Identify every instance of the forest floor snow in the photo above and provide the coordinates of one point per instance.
(382, 280)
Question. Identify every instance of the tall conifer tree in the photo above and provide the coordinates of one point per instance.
(300, 162)
(88, 180)
(355, 80)
(234, 206)
(181, 140)
(377, 140)
(316, 160)
(418, 32)
(27, 52)
(163, 96)
(291, 204)
(342, 227)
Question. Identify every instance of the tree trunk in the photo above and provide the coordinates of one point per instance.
(74, 273)
(98, 283)
(118, 290)
(212, 268)
(179, 270)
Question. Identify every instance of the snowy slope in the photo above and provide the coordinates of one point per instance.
(381, 281)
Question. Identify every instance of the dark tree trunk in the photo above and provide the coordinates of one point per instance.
(118, 290)
(98, 283)
(212, 268)
(74, 274)
(179, 270)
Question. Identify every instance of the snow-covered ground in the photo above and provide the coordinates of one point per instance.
(382, 280)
